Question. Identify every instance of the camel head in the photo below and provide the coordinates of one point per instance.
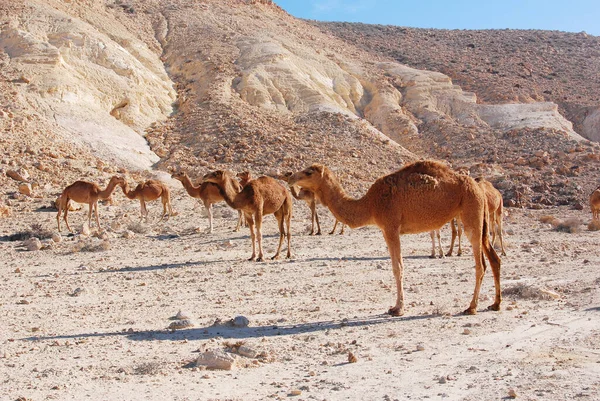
(217, 177)
(117, 180)
(244, 176)
(179, 175)
(309, 178)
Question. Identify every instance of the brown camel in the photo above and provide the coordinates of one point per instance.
(420, 197)
(595, 204)
(85, 192)
(312, 201)
(436, 234)
(495, 207)
(260, 197)
(207, 192)
(147, 192)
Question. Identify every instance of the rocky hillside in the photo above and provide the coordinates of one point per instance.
(91, 88)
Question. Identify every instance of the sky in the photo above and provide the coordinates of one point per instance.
(561, 15)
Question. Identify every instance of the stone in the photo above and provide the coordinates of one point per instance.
(18, 175)
(240, 321)
(217, 359)
(128, 234)
(180, 324)
(33, 244)
(25, 188)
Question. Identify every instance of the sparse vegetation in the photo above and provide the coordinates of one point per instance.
(138, 227)
(36, 231)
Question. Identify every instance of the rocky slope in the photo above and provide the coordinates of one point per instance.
(243, 85)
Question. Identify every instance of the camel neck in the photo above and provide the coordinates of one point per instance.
(350, 211)
(228, 193)
(127, 191)
(107, 192)
(189, 187)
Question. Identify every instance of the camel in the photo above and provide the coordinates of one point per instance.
(260, 197)
(147, 192)
(595, 204)
(85, 192)
(495, 207)
(207, 192)
(420, 197)
(436, 234)
(312, 201)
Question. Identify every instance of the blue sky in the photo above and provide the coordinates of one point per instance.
(562, 15)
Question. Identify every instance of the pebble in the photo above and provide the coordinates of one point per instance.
(240, 321)
(295, 392)
(33, 244)
(56, 237)
(512, 393)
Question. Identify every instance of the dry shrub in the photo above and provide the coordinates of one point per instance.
(594, 225)
(524, 291)
(138, 227)
(148, 368)
(36, 231)
(570, 225)
(91, 246)
(547, 219)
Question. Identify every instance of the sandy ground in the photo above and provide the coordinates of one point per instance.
(91, 324)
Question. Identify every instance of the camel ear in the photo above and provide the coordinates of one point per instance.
(319, 168)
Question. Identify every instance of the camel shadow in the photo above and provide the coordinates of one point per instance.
(241, 333)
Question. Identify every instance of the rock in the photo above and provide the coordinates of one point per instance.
(33, 244)
(352, 358)
(295, 392)
(77, 292)
(25, 188)
(56, 237)
(85, 230)
(180, 324)
(240, 321)
(247, 351)
(18, 175)
(128, 234)
(217, 359)
(512, 393)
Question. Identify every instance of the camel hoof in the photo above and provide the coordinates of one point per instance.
(470, 311)
(319, 233)
(395, 311)
(259, 259)
(449, 254)
(275, 257)
(252, 258)
(494, 307)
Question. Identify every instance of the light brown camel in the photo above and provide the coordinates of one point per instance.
(420, 197)
(312, 201)
(436, 234)
(208, 193)
(495, 207)
(85, 192)
(147, 192)
(260, 197)
(595, 204)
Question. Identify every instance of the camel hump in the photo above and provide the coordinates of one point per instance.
(421, 174)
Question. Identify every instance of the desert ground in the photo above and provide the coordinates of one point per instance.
(91, 317)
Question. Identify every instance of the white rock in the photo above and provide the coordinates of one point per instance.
(56, 237)
(248, 352)
(217, 359)
(33, 244)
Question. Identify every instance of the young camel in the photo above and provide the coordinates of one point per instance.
(207, 192)
(595, 204)
(495, 207)
(258, 198)
(147, 192)
(85, 192)
(312, 201)
(420, 197)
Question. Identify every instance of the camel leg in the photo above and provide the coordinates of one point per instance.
(279, 217)
(334, 227)
(288, 223)
(208, 207)
(432, 235)
(250, 222)
(392, 239)
(476, 236)
(258, 222)
(459, 227)
(499, 221)
(454, 234)
(239, 222)
(495, 263)
(315, 216)
(343, 228)
(96, 213)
